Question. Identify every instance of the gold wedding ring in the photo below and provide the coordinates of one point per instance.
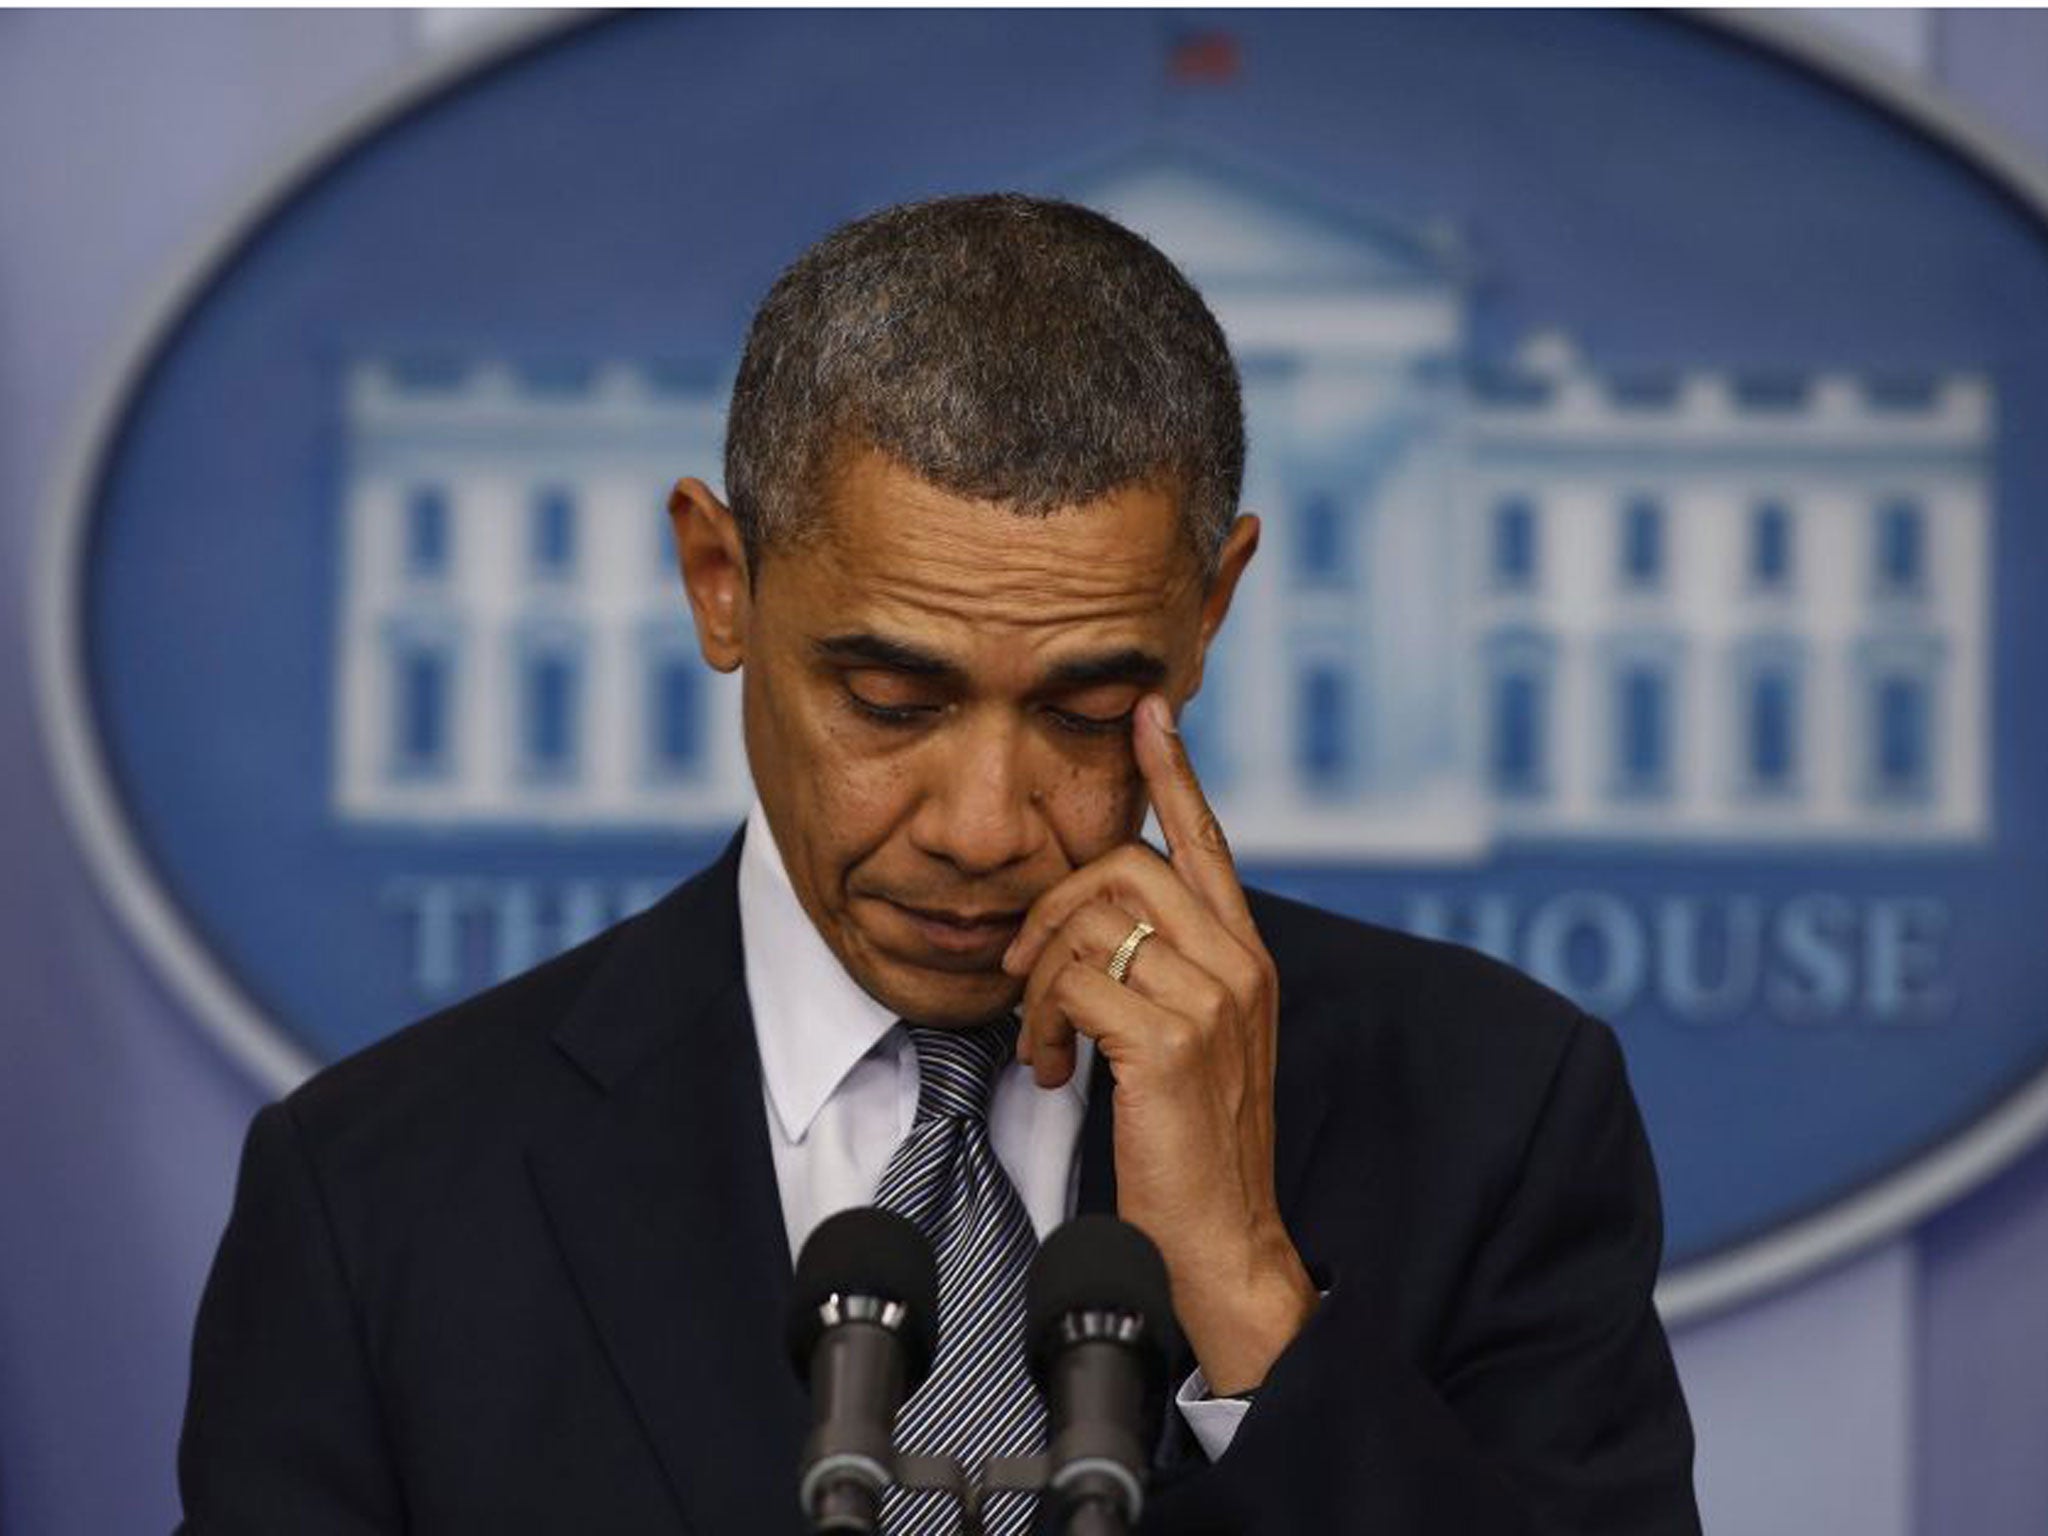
(1120, 962)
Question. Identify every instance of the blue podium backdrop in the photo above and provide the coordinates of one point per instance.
(1638, 417)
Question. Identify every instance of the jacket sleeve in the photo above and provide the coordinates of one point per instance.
(282, 1430)
(1551, 1407)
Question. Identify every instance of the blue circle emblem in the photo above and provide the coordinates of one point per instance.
(1634, 409)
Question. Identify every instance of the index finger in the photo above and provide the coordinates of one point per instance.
(1194, 837)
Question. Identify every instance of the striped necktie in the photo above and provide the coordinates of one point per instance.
(979, 1400)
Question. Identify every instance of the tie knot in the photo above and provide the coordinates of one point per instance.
(956, 1068)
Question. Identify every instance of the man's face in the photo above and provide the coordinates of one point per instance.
(938, 707)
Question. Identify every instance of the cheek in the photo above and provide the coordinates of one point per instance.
(805, 765)
(855, 795)
(1093, 808)
(862, 799)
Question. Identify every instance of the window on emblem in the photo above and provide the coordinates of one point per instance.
(1901, 548)
(1323, 741)
(676, 737)
(426, 532)
(1642, 728)
(1902, 756)
(1319, 553)
(551, 687)
(1772, 729)
(553, 542)
(1514, 544)
(1520, 662)
(1517, 740)
(1642, 542)
(422, 685)
(1770, 546)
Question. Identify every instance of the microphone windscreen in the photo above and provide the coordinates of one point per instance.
(1098, 1264)
(866, 1251)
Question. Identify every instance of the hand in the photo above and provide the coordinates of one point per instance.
(1190, 1037)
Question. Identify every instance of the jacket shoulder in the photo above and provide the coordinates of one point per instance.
(487, 1071)
(452, 1064)
(1448, 1022)
(1396, 975)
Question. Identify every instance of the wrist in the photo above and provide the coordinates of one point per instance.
(1240, 1314)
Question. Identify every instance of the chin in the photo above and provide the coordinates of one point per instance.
(947, 998)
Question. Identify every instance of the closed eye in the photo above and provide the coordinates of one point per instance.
(892, 714)
(1090, 725)
(893, 698)
(1097, 709)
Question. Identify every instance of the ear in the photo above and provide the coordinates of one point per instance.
(713, 561)
(1239, 545)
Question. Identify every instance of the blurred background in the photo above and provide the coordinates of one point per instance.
(1641, 407)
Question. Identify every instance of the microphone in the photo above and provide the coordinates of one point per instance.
(1101, 1328)
(862, 1329)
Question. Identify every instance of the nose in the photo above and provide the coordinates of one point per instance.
(977, 811)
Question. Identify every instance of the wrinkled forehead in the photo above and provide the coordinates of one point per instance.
(860, 489)
(887, 527)
(891, 547)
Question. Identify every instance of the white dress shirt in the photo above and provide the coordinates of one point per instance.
(839, 1075)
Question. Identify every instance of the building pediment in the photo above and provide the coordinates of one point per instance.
(1228, 223)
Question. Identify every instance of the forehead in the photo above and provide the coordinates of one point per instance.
(896, 552)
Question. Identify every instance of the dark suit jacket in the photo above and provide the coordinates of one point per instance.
(522, 1267)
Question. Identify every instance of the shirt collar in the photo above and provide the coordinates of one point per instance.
(812, 1021)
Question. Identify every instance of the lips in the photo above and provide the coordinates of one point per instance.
(971, 936)
(964, 919)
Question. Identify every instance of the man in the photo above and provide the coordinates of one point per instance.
(522, 1267)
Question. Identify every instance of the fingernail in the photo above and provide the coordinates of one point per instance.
(1155, 706)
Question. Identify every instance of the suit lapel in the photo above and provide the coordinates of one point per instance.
(1096, 1195)
(661, 1190)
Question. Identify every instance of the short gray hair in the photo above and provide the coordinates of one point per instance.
(1014, 349)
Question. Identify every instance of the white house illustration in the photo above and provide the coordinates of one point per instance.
(1542, 602)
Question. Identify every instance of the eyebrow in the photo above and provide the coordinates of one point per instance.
(1131, 664)
(880, 651)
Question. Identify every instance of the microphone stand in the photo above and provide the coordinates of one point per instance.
(999, 1474)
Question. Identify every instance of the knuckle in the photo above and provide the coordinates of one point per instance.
(1102, 929)
(1130, 864)
(1250, 973)
(1265, 977)
(1081, 933)
(1112, 918)
(1178, 1045)
(1219, 1008)
(1034, 996)
(1062, 988)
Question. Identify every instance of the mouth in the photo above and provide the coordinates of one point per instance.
(976, 938)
